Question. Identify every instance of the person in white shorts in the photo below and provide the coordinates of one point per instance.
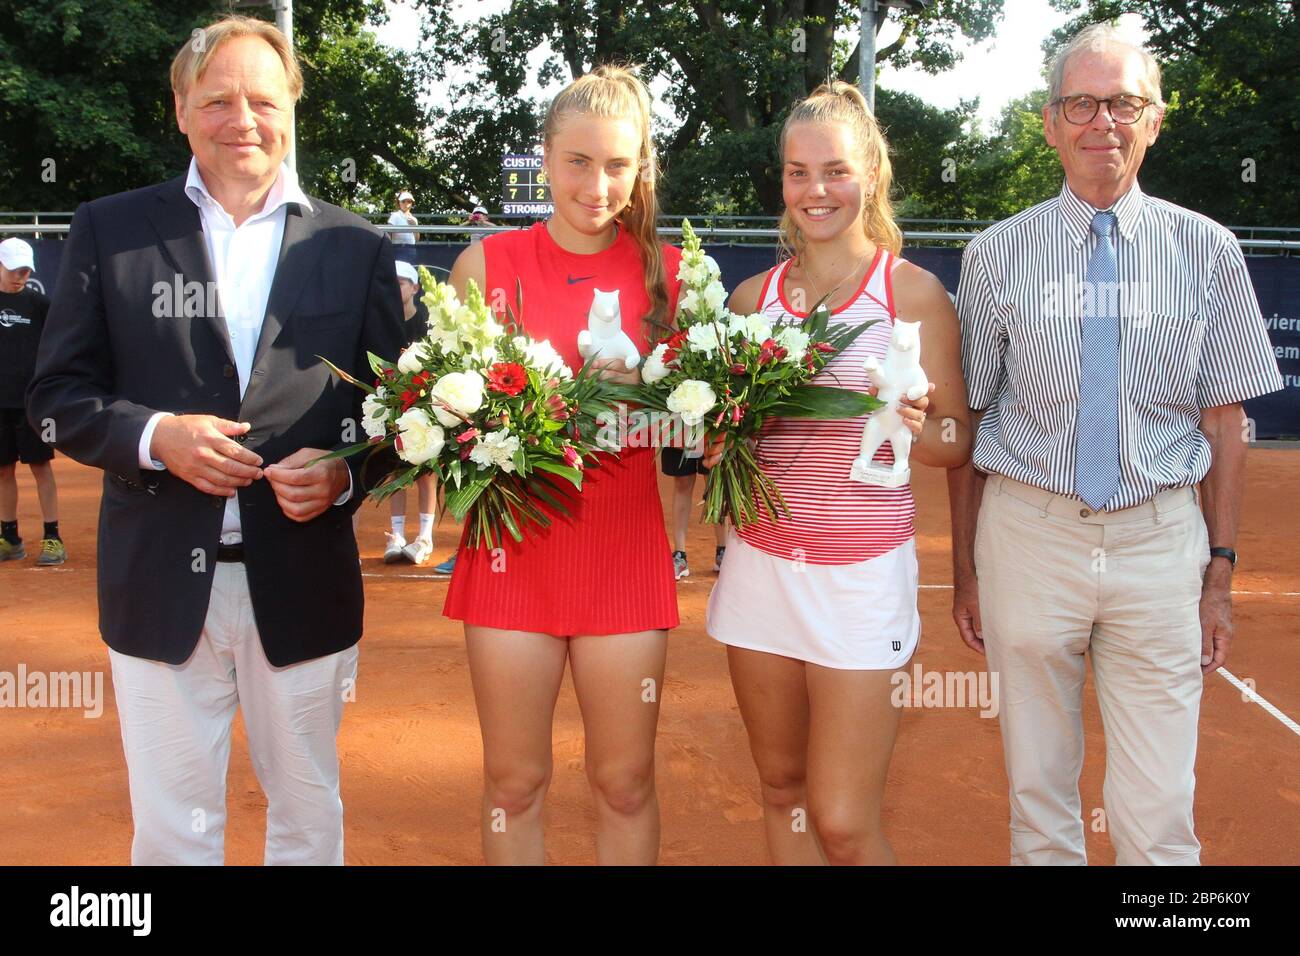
(819, 609)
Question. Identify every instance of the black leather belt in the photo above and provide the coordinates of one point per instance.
(230, 552)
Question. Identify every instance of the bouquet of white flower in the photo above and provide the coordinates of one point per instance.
(728, 373)
(493, 414)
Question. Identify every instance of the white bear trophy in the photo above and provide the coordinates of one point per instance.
(900, 377)
(604, 336)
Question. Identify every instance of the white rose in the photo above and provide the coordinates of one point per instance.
(753, 327)
(654, 369)
(463, 391)
(496, 448)
(795, 340)
(543, 357)
(412, 357)
(374, 416)
(692, 400)
(421, 438)
(703, 338)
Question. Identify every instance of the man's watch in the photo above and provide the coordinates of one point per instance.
(1224, 553)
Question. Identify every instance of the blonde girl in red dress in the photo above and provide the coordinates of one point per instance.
(818, 610)
(596, 589)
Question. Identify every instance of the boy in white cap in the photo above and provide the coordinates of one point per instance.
(416, 317)
(402, 216)
(22, 316)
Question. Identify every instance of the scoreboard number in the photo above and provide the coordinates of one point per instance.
(524, 186)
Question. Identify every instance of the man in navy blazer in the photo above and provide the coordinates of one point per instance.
(182, 356)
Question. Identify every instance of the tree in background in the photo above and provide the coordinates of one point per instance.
(86, 108)
(731, 68)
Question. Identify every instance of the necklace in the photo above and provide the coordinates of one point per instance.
(816, 288)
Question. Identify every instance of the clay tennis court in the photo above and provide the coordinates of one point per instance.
(410, 744)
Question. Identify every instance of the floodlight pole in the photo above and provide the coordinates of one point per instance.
(867, 52)
(284, 21)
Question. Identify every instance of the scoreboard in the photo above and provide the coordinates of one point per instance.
(524, 189)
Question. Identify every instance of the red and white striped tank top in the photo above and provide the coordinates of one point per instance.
(833, 520)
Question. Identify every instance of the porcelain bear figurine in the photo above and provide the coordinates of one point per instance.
(901, 376)
(604, 336)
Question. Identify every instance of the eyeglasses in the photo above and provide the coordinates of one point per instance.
(1124, 109)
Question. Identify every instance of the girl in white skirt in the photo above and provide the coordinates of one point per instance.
(818, 610)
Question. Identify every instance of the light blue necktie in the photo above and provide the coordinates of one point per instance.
(1096, 465)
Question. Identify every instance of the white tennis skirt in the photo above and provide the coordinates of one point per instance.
(859, 616)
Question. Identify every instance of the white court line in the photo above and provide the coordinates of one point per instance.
(1247, 694)
(1250, 695)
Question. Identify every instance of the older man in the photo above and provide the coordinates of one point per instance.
(182, 356)
(1108, 340)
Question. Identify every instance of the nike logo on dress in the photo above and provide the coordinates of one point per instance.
(573, 281)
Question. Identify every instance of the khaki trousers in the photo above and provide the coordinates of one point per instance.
(1058, 580)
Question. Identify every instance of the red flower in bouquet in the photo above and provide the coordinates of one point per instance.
(674, 343)
(556, 409)
(509, 378)
(771, 351)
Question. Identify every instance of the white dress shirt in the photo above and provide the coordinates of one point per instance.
(243, 259)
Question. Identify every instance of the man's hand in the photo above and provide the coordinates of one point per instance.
(201, 450)
(305, 492)
(966, 611)
(616, 370)
(1216, 615)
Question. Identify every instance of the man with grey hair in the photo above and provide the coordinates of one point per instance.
(182, 355)
(1109, 339)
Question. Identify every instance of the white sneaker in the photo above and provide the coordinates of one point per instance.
(393, 550)
(418, 551)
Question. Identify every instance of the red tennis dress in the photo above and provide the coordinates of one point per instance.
(606, 567)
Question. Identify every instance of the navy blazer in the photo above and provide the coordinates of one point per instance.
(115, 350)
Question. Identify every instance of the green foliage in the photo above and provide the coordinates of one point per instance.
(84, 83)
(730, 70)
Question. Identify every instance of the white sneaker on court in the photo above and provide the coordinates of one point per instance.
(418, 551)
(393, 550)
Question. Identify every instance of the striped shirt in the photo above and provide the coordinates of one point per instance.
(833, 520)
(1191, 337)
